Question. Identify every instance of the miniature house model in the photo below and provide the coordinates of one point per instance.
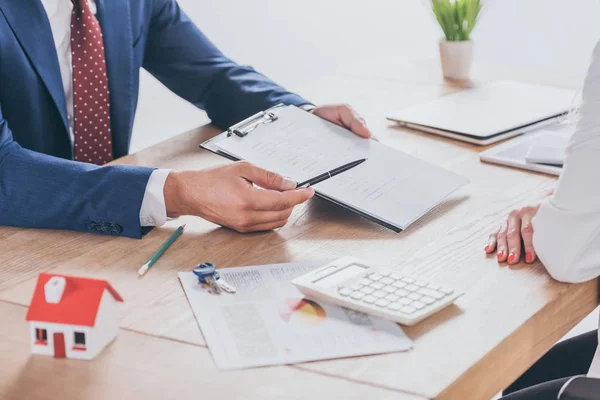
(72, 317)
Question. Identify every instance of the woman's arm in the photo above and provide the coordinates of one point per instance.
(564, 230)
(567, 226)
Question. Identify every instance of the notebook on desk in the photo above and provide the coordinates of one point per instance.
(392, 188)
(490, 113)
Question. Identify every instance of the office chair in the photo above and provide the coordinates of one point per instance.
(580, 388)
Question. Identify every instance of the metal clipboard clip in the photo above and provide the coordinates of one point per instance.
(246, 126)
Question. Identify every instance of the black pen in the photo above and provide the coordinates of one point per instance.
(332, 173)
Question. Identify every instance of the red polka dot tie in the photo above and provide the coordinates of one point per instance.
(93, 142)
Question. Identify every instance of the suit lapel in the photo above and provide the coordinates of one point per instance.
(114, 18)
(29, 22)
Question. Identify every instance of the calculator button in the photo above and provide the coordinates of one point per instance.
(369, 299)
(365, 281)
(412, 288)
(408, 280)
(405, 301)
(395, 306)
(392, 297)
(417, 304)
(433, 286)
(395, 276)
(408, 310)
(357, 295)
(375, 277)
(402, 292)
(356, 286)
(447, 290)
(377, 285)
(385, 272)
(380, 293)
(414, 296)
(345, 291)
(399, 285)
(382, 302)
(367, 290)
(389, 289)
(431, 293)
(386, 281)
(427, 300)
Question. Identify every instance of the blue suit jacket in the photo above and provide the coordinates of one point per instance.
(39, 184)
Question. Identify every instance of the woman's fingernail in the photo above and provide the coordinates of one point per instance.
(487, 248)
(528, 257)
(511, 257)
(500, 254)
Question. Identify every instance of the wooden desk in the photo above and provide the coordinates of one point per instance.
(508, 318)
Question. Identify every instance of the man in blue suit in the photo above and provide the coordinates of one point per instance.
(69, 79)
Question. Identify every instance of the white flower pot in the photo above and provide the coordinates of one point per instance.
(456, 58)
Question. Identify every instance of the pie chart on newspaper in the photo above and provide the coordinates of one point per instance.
(304, 310)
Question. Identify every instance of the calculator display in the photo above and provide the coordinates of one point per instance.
(340, 276)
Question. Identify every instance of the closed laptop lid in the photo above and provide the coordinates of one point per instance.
(489, 110)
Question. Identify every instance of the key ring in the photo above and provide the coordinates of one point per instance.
(206, 269)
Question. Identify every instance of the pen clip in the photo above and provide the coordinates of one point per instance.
(241, 129)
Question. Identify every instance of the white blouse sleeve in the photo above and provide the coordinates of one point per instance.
(567, 226)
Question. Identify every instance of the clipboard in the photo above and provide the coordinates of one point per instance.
(280, 114)
(243, 128)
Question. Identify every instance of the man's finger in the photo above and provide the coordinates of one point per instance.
(270, 200)
(513, 237)
(351, 120)
(267, 226)
(263, 178)
(264, 217)
(527, 235)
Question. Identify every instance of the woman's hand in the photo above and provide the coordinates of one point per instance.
(514, 237)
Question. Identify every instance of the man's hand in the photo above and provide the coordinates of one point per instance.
(344, 116)
(226, 196)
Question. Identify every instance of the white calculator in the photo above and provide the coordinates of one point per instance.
(350, 283)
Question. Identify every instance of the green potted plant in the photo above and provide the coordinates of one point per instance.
(457, 18)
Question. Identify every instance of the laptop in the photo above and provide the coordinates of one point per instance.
(490, 113)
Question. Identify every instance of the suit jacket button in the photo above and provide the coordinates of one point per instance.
(116, 229)
(105, 227)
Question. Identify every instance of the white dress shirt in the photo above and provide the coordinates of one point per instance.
(567, 226)
(153, 211)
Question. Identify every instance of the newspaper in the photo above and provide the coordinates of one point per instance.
(269, 322)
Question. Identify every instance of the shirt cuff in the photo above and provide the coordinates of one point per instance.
(154, 211)
(308, 107)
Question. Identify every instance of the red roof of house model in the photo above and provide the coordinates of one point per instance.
(79, 303)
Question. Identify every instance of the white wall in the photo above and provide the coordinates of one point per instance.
(296, 41)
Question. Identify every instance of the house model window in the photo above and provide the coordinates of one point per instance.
(79, 341)
(41, 337)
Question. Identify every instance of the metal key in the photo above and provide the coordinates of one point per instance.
(207, 273)
(226, 286)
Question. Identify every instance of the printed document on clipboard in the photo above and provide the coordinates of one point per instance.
(391, 188)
